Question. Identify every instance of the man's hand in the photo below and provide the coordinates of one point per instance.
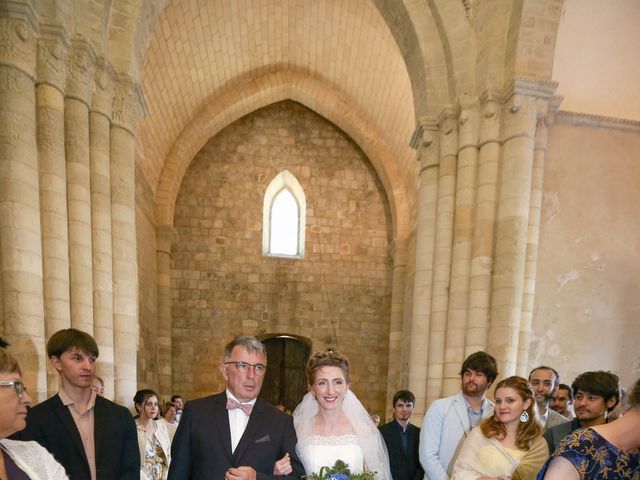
(240, 473)
(283, 466)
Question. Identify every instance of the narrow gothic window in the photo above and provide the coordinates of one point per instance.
(284, 217)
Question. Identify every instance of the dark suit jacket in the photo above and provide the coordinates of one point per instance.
(116, 445)
(201, 447)
(404, 465)
(554, 435)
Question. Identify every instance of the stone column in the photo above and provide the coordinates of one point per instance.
(442, 251)
(483, 225)
(20, 232)
(76, 124)
(53, 186)
(518, 130)
(533, 237)
(126, 108)
(100, 162)
(396, 327)
(165, 237)
(468, 126)
(425, 234)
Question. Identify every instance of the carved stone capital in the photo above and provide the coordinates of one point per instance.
(102, 101)
(81, 66)
(428, 146)
(18, 39)
(129, 105)
(531, 87)
(53, 47)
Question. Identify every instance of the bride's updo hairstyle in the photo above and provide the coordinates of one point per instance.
(328, 358)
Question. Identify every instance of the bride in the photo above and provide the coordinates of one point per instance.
(331, 423)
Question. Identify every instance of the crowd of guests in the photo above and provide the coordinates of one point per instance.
(536, 427)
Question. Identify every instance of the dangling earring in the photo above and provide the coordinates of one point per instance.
(524, 416)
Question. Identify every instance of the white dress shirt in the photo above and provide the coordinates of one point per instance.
(237, 421)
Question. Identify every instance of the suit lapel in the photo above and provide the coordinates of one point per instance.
(64, 415)
(461, 410)
(251, 432)
(222, 421)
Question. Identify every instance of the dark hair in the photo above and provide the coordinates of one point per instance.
(600, 383)
(481, 362)
(527, 431)
(564, 386)
(328, 358)
(8, 363)
(634, 395)
(404, 395)
(141, 397)
(174, 398)
(64, 340)
(544, 367)
(250, 344)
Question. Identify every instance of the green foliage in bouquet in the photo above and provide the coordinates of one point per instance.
(340, 471)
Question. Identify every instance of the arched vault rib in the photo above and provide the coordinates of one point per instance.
(319, 96)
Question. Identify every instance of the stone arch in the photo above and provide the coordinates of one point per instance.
(325, 99)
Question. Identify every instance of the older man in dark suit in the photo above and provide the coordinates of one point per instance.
(92, 437)
(234, 435)
(402, 439)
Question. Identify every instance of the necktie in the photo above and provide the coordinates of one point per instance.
(245, 407)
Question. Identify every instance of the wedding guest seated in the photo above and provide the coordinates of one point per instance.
(154, 442)
(603, 452)
(20, 460)
(508, 445)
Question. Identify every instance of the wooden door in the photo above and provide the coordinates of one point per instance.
(285, 382)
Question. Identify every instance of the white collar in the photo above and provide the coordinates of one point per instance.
(233, 397)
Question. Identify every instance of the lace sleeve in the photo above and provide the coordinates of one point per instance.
(34, 460)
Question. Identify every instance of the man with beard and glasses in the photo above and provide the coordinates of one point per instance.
(544, 382)
(449, 420)
(595, 395)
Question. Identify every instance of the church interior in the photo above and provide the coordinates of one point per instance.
(463, 174)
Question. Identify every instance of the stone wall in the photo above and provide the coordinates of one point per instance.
(587, 302)
(222, 286)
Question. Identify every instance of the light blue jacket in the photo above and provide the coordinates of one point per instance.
(445, 425)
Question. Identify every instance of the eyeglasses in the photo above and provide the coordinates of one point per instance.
(16, 384)
(243, 367)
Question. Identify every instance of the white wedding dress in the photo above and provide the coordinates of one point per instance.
(320, 452)
(364, 450)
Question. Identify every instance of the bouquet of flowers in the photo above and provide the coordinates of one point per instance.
(340, 471)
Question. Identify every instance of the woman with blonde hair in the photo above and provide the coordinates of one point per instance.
(507, 445)
(20, 460)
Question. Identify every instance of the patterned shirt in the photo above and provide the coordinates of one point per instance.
(595, 458)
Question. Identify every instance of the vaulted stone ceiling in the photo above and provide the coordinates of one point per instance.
(337, 57)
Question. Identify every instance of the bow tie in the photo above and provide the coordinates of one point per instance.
(245, 407)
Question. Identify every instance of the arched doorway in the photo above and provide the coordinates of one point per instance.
(285, 382)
